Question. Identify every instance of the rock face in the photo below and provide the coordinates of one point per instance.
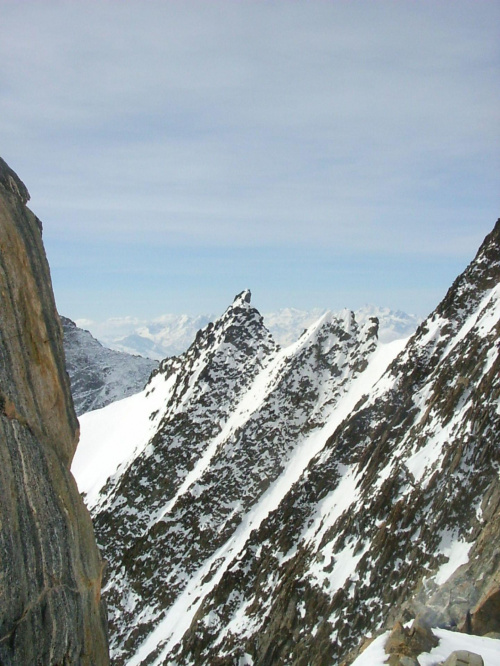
(50, 568)
(409, 642)
(98, 375)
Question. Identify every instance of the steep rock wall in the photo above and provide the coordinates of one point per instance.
(50, 567)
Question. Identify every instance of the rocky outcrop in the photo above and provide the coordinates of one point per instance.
(409, 642)
(98, 375)
(50, 568)
(464, 658)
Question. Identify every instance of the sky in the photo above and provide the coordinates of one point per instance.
(321, 153)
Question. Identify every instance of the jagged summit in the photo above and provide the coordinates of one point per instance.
(243, 297)
(237, 419)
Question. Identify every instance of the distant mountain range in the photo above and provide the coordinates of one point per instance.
(171, 334)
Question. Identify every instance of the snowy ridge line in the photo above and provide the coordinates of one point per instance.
(170, 630)
(250, 402)
(246, 407)
(420, 462)
(491, 296)
(134, 428)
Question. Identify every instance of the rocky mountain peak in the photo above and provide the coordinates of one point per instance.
(237, 413)
(244, 297)
(286, 502)
(238, 336)
(12, 183)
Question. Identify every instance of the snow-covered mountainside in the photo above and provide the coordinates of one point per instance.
(99, 375)
(260, 505)
(171, 335)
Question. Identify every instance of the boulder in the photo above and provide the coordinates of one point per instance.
(485, 617)
(396, 660)
(409, 642)
(464, 658)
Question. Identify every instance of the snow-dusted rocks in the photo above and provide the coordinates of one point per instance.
(99, 375)
(278, 504)
(404, 481)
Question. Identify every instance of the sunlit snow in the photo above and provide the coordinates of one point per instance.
(457, 552)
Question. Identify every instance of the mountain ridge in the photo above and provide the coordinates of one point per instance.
(283, 503)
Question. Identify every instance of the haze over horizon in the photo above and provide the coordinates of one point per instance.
(322, 154)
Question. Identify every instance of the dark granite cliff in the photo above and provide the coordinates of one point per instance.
(50, 567)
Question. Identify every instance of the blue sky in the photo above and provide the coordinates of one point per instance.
(324, 154)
